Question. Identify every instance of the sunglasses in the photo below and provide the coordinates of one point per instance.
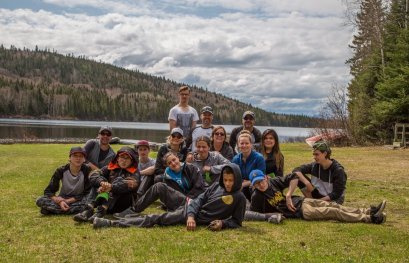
(219, 134)
(177, 136)
(105, 134)
(248, 118)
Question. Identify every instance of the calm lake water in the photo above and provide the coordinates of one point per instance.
(154, 132)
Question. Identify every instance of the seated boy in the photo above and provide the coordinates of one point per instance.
(268, 197)
(75, 186)
(221, 206)
(146, 166)
(116, 185)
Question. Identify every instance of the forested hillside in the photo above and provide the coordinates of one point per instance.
(44, 84)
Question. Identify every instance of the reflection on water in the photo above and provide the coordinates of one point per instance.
(154, 132)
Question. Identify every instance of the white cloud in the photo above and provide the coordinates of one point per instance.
(285, 61)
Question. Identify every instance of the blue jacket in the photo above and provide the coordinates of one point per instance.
(254, 161)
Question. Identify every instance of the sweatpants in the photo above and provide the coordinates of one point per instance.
(44, 202)
(146, 183)
(315, 209)
(177, 217)
(171, 198)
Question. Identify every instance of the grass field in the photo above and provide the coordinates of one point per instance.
(374, 174)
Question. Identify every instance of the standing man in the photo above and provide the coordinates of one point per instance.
(182, 115)
(99, 152)
(203, 130)
(248, 121)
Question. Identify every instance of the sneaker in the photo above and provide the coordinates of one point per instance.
(84, 215)
(44, 211)
(100, 213)
(377, 210)
(378, 219)
(275, 218)
(129, 211)
(101, 222)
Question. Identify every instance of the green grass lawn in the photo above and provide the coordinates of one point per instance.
(374, 173)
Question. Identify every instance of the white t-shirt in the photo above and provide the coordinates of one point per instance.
(183, 119)
(198, 132)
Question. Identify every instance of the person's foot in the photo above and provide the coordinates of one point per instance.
(276, 218)
(377, 210)
(101, 222)
(129, 212)
(83, 216)
(378, 219)
(44, 211)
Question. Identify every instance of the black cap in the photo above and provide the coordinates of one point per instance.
(78, 149)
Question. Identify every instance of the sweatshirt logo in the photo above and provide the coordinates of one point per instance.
(278, 197)
(227, 199)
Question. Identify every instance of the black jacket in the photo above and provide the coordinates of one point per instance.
(54, 184)
(218, 204)
(334, 176)
(273, 199)
(192, 177)
(233, 137)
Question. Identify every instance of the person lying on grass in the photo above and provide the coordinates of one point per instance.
(328, 178)
(268, 198)
(75, 186)
(114, 186)
(221, 206)
(180, 181)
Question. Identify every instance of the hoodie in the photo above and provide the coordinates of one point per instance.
(331, 181)
(115, 175)
(216, 162)
(218, 204)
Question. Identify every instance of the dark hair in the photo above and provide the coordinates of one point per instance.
(278, 156)
(203, 139)
(228, 169)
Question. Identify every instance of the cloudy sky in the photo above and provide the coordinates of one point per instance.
(282, 56)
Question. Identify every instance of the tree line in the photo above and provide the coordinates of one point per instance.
(379, 90)
(44, 84)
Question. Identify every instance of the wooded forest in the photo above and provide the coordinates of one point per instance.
(47, 85)
(379, 90)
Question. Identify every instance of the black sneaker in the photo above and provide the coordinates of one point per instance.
(127, 212)
(44, 211)
(101, 222)
(378, 219)
(84, 215)
(377, 210)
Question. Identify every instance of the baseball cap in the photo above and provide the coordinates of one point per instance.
(176, 130)
(321, 146)
(207, 109)
(105, 128)
(78, 149)
(249, 113)
(142, 143)
(255, 176)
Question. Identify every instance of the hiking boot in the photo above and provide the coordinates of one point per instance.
(378, 219)
(377, 210)
(276, 218)
(101, 222)
(100, 213)
(84, 215)
(127, 212)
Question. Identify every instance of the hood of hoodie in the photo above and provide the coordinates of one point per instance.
(237, 177)
(131, 152)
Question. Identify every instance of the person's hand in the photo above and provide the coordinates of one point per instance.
(190, 223)
(189, 158)
(63, 205)
(290, 204)
(105, 187)
(216, 225)
(206, 168)
(131, 182)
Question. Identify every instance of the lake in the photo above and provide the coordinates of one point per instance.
(82, 130)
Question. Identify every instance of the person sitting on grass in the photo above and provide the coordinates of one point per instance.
(270, 149)
(146, 166)
(75, 186)
(209, 163)
(268, 198)
(328, 178)
(221, 206)
(180, 181)
(116, 185)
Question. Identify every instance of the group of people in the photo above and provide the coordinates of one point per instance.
(200, 177)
